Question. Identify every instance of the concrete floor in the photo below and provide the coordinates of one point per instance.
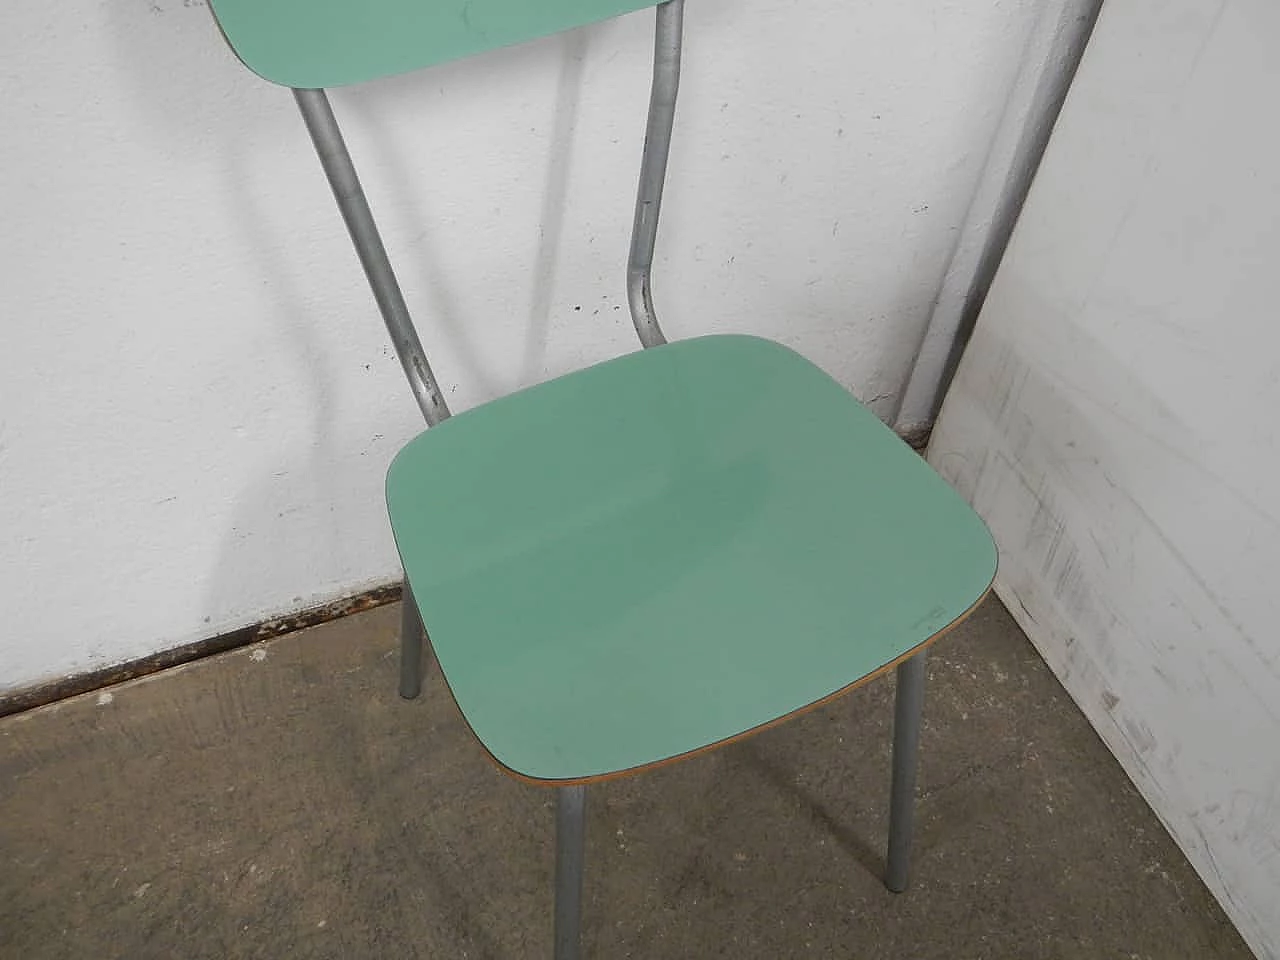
(281, 802)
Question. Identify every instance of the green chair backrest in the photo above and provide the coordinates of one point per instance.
(326, 43)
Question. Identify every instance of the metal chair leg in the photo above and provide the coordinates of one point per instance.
(571, 836)
(908, 705)
(411, 636)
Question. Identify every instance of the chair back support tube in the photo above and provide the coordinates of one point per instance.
(336, 160)
(349, 194)
(653, 170)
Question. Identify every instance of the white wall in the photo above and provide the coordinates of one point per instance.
(1115, 421)
(197, 401)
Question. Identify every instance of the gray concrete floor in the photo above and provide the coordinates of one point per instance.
(281, 802)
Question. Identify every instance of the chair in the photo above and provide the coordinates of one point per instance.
(654, 556)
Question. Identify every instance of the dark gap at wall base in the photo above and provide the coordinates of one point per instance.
(45, 693)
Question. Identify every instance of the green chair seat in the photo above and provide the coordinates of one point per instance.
(668, 550)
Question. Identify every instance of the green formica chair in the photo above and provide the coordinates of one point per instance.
(654, 556)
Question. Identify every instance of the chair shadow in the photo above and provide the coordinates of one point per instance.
(753, 758)
(554, 198)
(440, 313)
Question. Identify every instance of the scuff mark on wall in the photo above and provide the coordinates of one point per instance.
(1136, 514)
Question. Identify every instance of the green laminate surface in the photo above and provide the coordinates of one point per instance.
(664, 551)
(327, 43)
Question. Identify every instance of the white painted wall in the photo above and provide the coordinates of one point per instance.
(197, 402)
(1115, 421)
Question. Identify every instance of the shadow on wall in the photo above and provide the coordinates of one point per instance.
(172, 55)
(437, 316)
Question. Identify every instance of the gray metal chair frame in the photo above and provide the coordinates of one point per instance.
(571, 799)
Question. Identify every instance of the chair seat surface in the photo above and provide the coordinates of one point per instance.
(665, 551)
